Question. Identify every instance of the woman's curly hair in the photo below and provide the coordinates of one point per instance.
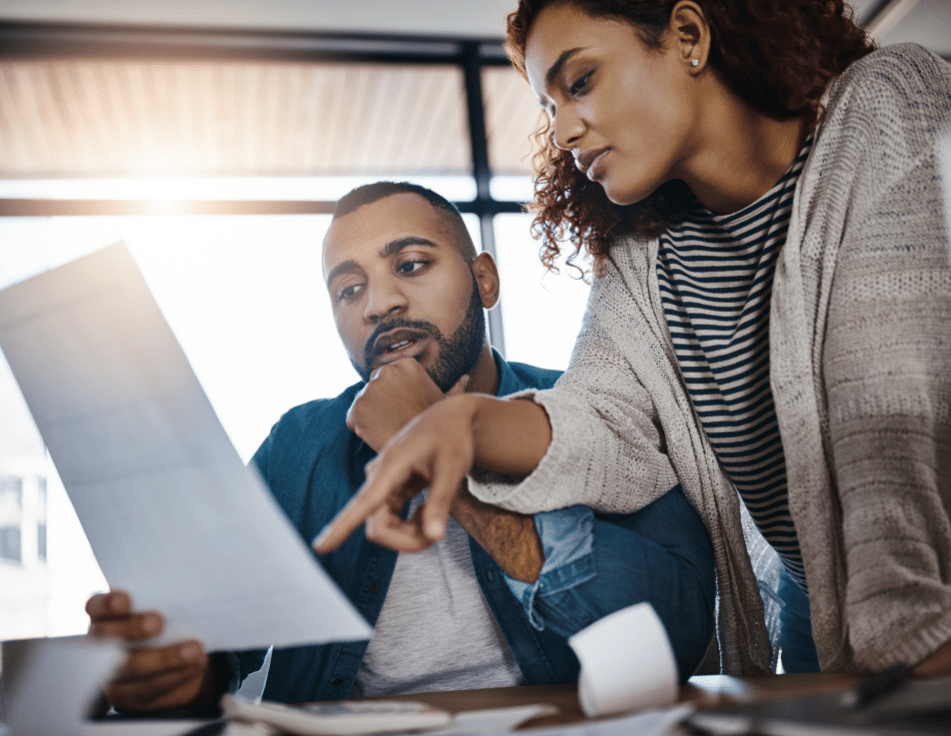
(777, 55)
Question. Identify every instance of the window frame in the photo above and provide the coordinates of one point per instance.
(28, 40)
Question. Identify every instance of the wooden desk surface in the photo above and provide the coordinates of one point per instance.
(704, 692)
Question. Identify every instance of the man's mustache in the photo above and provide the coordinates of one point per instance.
(370, 351)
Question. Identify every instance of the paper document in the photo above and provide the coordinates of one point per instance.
(49, 684)
(626, 662)
(663, 722)
(171, 512)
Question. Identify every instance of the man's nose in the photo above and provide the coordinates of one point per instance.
(384, 300)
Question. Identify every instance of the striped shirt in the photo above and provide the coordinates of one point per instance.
(716, 276)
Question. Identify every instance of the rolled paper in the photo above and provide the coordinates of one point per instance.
(627, 662)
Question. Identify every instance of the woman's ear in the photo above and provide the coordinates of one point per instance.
(690, 32)
(487, 277)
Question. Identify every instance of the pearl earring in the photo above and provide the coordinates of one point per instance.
(694, 62)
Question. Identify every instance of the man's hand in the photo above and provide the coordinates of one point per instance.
(395, 394)
(152, 678)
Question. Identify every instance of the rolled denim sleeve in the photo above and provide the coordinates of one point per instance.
(566, 536)
(598, 564)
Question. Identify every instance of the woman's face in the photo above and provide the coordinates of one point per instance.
(626, 112)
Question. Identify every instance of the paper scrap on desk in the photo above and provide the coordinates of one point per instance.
(661, 722)
(491, 720)
(50, 684)
(171, 512)
(626, 662)
(155, 727)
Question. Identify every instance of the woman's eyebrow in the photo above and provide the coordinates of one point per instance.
(559, 63)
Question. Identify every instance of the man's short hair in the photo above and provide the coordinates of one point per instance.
(370, 193)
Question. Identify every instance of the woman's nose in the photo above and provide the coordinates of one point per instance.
(569, 127)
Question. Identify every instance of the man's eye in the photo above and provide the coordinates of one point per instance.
(411, 266)
(579, 86)
(347, 292)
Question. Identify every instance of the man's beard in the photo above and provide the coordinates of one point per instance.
(455, 356)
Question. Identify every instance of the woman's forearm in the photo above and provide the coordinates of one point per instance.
(511, 436)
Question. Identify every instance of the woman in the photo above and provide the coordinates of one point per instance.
(770, 314)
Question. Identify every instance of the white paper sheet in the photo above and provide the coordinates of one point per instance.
(171, 512)
(49, 684)
(489, 721)
(626, 662)
(663, 722)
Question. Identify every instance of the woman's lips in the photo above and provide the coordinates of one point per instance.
(595, 164)
(591, 162)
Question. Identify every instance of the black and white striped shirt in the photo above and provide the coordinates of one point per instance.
(716, 276)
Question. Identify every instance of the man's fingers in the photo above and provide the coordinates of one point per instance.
(171, 688)
(148, 662)
(104, 605)
(459, 386)
(130, 627)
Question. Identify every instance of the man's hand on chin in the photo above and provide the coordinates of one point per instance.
(395, 394)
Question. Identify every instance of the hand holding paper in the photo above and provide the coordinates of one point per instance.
(172, 514)
(175, 676)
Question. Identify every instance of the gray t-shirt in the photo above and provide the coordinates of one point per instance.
(435, 631)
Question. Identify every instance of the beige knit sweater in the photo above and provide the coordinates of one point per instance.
(860, 338)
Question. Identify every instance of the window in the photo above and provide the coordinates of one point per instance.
(10, 544)
(41, 541)
(11, 492)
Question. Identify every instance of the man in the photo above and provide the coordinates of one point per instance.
(492, 603)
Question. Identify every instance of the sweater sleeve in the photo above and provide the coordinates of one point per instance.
(887, 369)
(607, 449)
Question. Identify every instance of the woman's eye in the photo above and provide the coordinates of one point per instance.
(579, 86)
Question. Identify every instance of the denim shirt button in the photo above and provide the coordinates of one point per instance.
(490, 576)
(374, 586)
(338, 682)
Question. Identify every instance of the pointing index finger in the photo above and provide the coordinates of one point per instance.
(374, 494)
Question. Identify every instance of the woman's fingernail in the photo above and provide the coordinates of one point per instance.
(435, 529)
(320, 538)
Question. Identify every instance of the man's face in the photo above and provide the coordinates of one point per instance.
(399, 288)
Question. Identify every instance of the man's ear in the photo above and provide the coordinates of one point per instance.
(487, 277)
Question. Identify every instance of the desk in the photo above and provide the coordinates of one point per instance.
(704, 692)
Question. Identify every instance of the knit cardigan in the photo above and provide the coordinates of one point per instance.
(860, 340)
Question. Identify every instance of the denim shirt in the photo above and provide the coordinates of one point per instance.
(313, 465)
